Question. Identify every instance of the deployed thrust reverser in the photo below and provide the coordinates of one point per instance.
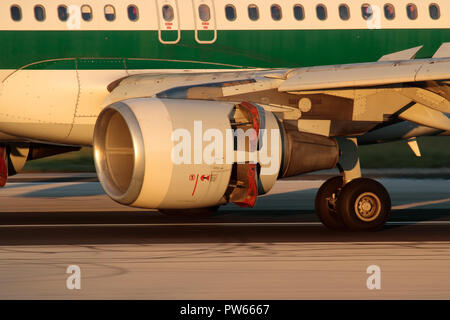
(185, 154)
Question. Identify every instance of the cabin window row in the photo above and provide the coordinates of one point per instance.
(85, 11)
(204, 12)
(367, 11)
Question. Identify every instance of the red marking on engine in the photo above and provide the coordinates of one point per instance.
(203, 178)
(3, 167)
(192, 177)
(252, 192)
(195, 187)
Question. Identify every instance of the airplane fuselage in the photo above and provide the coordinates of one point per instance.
(187, 42)
(57, 60)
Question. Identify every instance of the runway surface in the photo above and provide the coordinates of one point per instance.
(278, 250)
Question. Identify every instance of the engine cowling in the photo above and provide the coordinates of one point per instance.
(181, 154)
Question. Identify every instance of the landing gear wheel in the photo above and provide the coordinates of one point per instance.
(325, 203)
(196, 213)
(364, 205)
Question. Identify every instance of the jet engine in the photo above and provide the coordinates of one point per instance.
(184, 154)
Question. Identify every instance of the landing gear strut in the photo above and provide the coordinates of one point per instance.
(349, 201)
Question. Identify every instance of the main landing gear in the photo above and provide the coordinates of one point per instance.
(361, 204)
(349, 202)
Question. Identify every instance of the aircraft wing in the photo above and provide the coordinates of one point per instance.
(349, 99)
(390, 69)
(367, 74)
(396, 86)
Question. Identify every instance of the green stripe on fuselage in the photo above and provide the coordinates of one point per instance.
(233, 49)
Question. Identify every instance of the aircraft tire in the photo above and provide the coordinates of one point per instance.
(325, 212)
(364, 205)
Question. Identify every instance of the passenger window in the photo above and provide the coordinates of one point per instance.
(63, 15)
(275, 11)
(299, 12)
(253, 12)
(230, 12)
(366, 11)
(435, 12)
(110, 13)
(204, 13)
(389, 11)
(39, 13)
(16, 13)
(344, 12)
(168, 13)
(133, 13)
(411, 10)
(321, 11)
(86, 12)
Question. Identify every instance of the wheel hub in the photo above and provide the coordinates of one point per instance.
(367, 206)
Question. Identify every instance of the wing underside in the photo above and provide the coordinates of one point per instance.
(337, 100)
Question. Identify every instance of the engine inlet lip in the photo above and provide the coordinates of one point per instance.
(137, 179)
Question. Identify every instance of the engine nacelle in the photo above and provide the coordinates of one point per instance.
(181, 154)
